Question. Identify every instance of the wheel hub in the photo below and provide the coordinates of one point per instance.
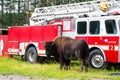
(97, 61)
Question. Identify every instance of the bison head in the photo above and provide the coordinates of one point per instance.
(51, 48)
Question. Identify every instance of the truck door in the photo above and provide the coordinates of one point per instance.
(96, 57)
(110, 39)
(94, 33)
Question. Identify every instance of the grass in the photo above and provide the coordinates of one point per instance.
(51, 70)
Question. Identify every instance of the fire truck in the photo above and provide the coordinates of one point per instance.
(83, 20)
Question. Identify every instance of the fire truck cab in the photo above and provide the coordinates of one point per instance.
(102, 35)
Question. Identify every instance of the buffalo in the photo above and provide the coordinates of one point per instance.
(65, 49)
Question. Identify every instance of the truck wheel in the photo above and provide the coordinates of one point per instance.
(96, 59)
(32, 55)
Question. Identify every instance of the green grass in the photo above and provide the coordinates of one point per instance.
(51, 70)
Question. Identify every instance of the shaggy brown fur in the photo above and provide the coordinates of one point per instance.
(65, 49)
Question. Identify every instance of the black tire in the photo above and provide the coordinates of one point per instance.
(32, 55)
(96, 59)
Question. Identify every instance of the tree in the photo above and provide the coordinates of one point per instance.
(14, 11)
(2, 16)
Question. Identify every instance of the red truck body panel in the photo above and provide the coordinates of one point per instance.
(26, 35)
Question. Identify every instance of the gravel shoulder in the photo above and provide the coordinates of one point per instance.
(18, 77)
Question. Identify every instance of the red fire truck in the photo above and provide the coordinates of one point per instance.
(78, 20)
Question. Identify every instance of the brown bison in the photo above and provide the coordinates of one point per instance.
(65, 49)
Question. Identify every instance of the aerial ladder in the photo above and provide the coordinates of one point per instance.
(43, 15)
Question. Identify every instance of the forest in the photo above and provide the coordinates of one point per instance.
(18, 12)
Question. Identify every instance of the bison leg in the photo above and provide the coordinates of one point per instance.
(61, 63)
(67, 65)
(81, 69)
(84, 66)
